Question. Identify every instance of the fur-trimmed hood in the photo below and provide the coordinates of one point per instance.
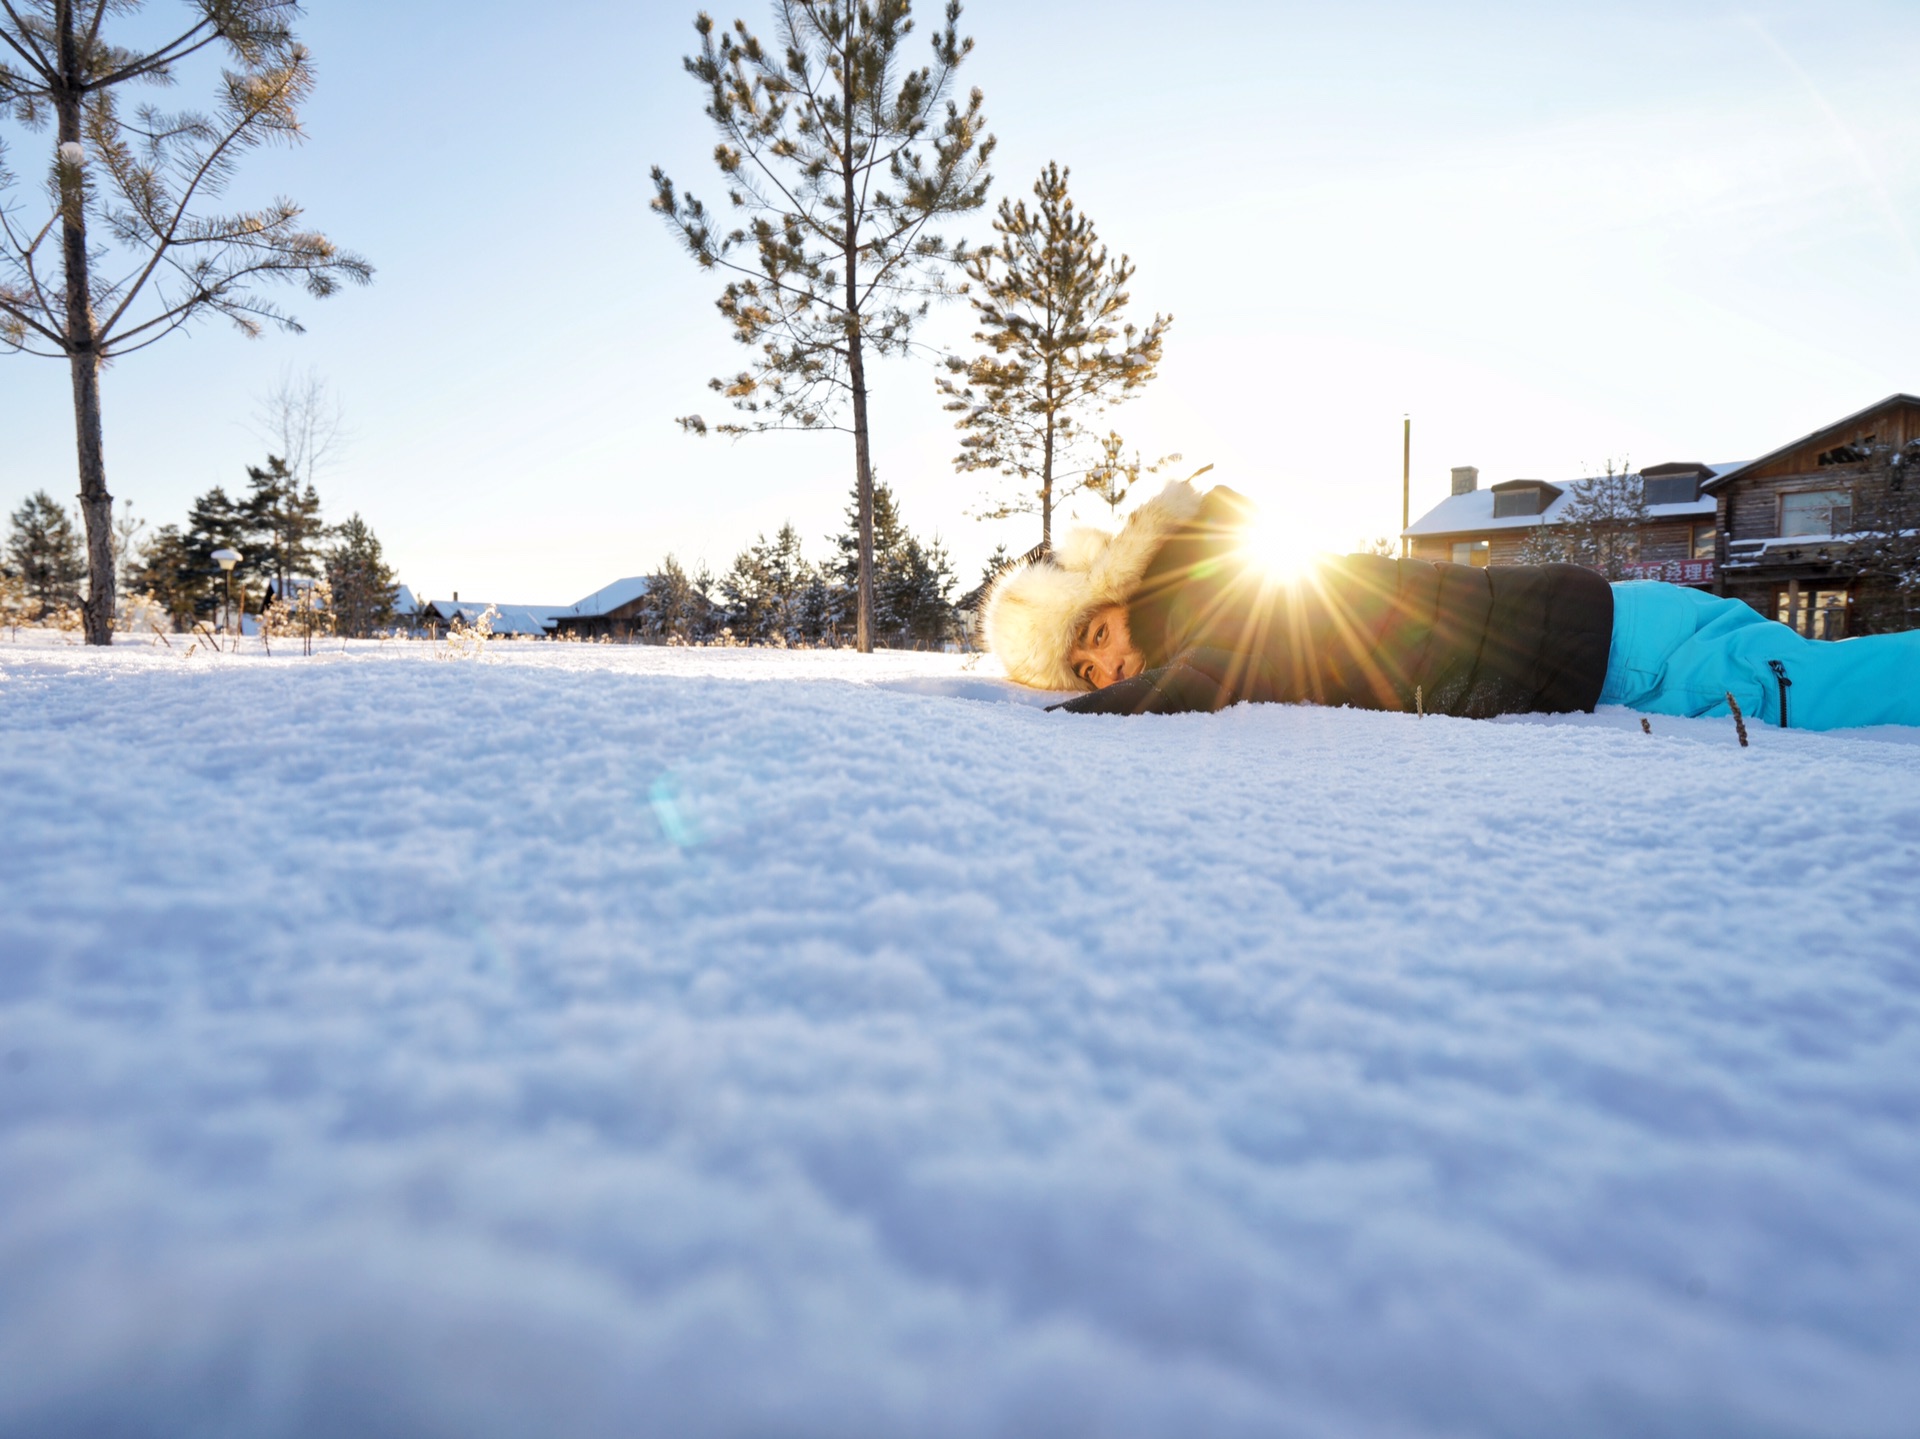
(1033, 610)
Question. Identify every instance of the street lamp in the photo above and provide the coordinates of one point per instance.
(227, 559)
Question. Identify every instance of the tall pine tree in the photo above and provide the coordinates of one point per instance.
(839, 158)
(1048, 299)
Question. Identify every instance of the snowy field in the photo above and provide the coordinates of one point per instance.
(605, 1042)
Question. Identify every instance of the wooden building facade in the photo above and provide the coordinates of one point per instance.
(1777, 532)
(1786, 518)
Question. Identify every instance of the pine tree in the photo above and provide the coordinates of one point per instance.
(674, 607)
(1884, 549)
(913, 582)
(128, 195)
(283, 523)
(840, 160)
(887, 536)
(1603, 520)
(167, 569)
(745, 592)
(43, 551)
(363, 587)
(922, 599)
(1113, 476)
(997, 564)
(820, 608)
(788, 575)
(1543, 545)
(1048, 299)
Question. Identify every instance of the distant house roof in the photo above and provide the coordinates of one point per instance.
(606, 599)
(522, 619)
(1473, 512)
(507, 619)
(1725, 475)
(404, 602)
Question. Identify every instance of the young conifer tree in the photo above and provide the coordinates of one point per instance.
(44, 553)
(359, 583)
(1048, 299)
(284, 519)
(124, 251)
(1604, 518)
(1883, 550)
(1112, 477)
(839, 158)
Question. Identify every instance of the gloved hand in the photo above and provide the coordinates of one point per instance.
(1197, 681)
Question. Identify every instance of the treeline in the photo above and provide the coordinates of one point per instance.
(286, 549)
(285, 545)
(773, 595)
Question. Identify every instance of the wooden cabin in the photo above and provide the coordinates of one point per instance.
(611, 612)
(1785, 518)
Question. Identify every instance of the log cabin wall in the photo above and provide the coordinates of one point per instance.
(1751, 507)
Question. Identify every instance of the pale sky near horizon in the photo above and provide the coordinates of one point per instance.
(1552, 234)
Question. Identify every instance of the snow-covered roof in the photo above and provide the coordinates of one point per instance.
(1723, 473)
(523, 619)
(1473, 511)
(607, 598)
(404, 602)
(507, 619)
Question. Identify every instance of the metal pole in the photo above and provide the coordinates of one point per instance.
(1406, 482)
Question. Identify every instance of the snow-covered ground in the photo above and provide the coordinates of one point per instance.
(601, 1041)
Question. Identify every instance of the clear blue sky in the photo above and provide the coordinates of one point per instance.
(1554, 234)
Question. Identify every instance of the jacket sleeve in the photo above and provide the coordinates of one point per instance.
(1198, 681)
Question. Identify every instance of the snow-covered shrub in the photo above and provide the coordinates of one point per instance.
(469, 641)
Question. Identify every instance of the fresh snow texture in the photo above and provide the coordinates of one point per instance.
(592, 1041)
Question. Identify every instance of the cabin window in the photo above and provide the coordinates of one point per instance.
(1702, 546)
(1472, 552)
(1673, 489)
(1816, 512)
(1821, 614)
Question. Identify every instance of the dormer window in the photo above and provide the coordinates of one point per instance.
(1675, 483)
(1517, 498)
(1673, 489)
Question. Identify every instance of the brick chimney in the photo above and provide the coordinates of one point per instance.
(1466, 479)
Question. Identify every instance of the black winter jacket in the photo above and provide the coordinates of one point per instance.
(1364, 631)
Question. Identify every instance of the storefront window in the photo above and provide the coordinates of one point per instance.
(1822, 613)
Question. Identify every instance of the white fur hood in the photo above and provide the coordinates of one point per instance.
(1033, 610)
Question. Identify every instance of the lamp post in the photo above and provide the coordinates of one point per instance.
(227, 559)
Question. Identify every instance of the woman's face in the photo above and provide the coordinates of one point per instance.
(1103, 652)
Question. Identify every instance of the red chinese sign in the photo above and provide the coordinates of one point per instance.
(1674, 572)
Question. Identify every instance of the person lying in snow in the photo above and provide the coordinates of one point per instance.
(1177, 612)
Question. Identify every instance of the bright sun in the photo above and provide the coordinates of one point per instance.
(1280, 549)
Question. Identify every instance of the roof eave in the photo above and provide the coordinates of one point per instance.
(1718, 482)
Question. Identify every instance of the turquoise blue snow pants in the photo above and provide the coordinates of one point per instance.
(1678, 651)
